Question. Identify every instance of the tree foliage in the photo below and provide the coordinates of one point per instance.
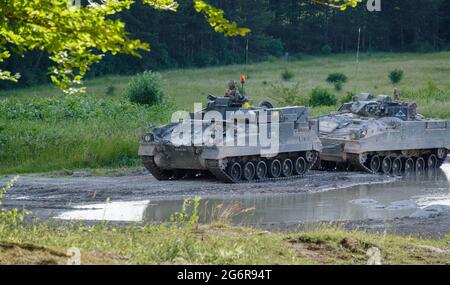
(75, 37)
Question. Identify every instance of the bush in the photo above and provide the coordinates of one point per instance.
(297, 56)
(274, 47)
(338, 79)
(430, 93)
(146, 89)
(338, 86)
(287, 75)
(110, 90)
(326, 50)
(288, 96)
(348, 98)
(395, 76)
(322, 97)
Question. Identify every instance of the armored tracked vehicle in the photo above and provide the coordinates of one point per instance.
(234, 142)
(378, 134)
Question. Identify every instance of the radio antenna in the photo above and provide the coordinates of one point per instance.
(357, 51)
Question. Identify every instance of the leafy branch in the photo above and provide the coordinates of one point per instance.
(77, 37)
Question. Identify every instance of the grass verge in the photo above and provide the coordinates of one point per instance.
(210, 244)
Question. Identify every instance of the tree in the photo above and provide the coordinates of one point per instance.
(75, 37)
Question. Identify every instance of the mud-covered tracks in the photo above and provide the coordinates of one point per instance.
(244, 169)
(400, 163)
(259, 169)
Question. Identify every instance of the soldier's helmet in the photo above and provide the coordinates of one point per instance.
(232, 84)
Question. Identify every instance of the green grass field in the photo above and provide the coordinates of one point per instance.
(187, 86)
(40, 132)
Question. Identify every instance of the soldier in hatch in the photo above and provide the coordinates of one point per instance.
(232, 91)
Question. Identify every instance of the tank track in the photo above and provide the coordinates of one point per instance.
(157, 172)
(354, 161)
(219, 171)
(440, 162)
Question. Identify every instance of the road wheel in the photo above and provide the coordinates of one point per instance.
(363, 158)
(249, 171)
(441, 153)
(261, 170)
(420, 164)
(432, 162)
(386, 165)
(409, 165)
(397, 166)
(275, 168)
(309, 156)
(235, 172)
(375, 163)
(300, 166)
(266, 105)
(287, 168)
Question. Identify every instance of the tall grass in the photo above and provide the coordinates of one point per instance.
(42, 134)
(432, 101)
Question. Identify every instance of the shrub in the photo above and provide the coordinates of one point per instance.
(430, 93)
(338, 86)
(287, 75)
(275, 47)
(145, 88)
(326, 50)
(347, 98)
(110, 90)
(338, 79)
(297, 56)
(322, 97)
(10, 217)
(395, 76)
(288, 96)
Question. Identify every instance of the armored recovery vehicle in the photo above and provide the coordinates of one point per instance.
(296, 140)
(378, 134)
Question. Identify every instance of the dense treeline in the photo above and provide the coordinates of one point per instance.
(278, 27)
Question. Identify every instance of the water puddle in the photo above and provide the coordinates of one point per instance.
(109, 211)
(404, 197)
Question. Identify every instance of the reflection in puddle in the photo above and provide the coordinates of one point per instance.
(113, 211)
(378, 201)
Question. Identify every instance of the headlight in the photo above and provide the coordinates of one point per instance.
(363, 133)
(148, 138)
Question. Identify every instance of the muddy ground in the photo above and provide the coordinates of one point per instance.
(47, 197)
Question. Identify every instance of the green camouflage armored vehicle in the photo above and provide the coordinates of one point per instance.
(234, 142)
(378, 134)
